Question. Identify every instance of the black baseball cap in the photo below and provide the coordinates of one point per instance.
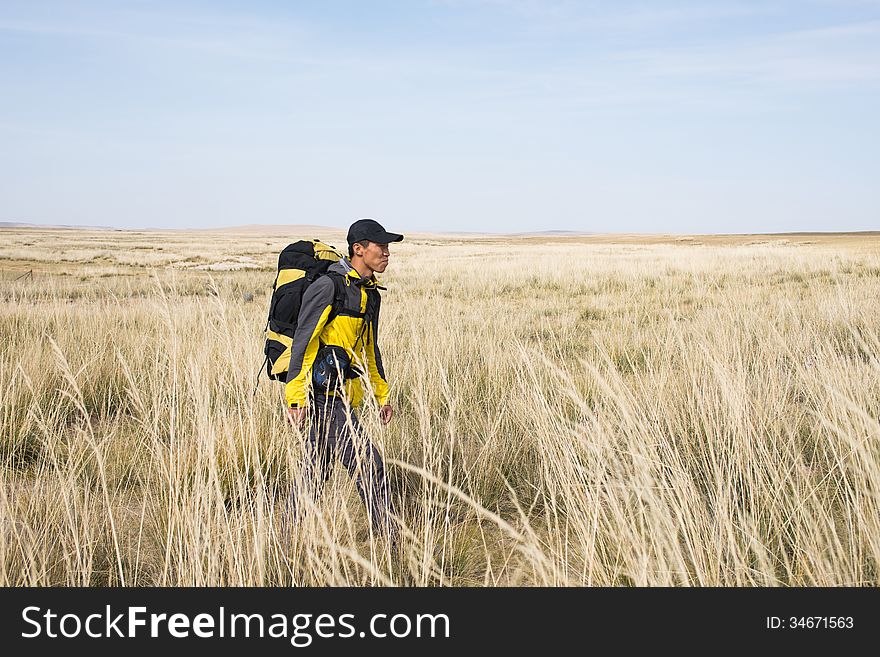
(367, 229)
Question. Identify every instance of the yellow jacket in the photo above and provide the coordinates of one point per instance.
(348, 328)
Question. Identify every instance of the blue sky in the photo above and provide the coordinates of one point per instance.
(446, 115)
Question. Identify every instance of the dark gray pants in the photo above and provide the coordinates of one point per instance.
(336, 433)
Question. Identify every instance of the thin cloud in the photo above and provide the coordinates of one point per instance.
(567, 16)
(225, 35)
(839, 54)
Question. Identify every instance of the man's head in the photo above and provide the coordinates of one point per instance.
(368, 245)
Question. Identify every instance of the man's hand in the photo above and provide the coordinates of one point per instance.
(385, 413)
(297, 417)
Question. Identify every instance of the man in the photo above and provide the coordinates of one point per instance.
(334, 345)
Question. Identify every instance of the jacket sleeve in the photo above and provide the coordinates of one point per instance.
(317, 303)
(374, 363)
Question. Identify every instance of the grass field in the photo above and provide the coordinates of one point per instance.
(608, 410)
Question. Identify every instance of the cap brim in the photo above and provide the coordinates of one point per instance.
(387, 238)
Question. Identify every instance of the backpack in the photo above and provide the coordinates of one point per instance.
(299, 265)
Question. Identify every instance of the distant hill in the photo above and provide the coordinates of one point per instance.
(262, 229)
(16, 224)
(13, 224)
(553, 233)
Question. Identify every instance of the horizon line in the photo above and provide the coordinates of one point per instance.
(536, 233)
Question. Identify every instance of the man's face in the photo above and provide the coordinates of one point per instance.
(376, 256)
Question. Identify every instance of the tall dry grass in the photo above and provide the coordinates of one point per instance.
(568, 413)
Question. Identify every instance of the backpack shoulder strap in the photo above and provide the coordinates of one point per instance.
(338, 294)
(374, 303)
